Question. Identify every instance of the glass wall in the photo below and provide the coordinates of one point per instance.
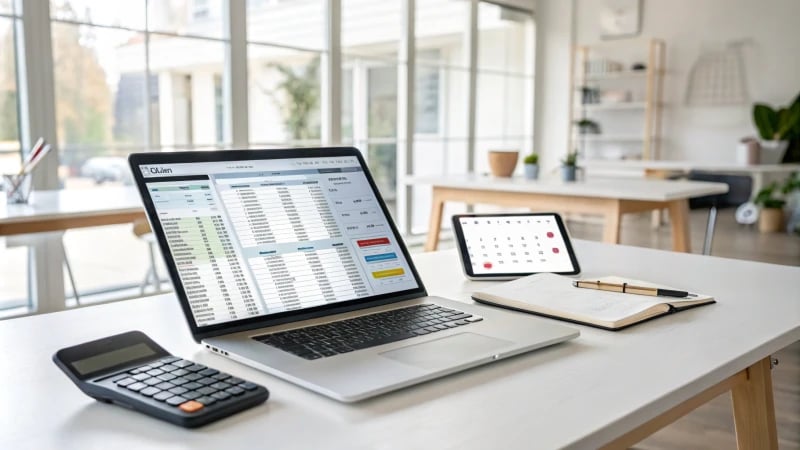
(441, 98)
(134, 75)
(130, 75)
(285, 51)
(504, 103)
(13, 251)
(370, 40)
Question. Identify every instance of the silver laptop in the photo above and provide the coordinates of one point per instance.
(288, 261)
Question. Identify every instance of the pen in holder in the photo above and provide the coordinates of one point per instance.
(17, 187)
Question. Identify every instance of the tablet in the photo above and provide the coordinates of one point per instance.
(508, 246)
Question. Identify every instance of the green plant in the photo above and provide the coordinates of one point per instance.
(766, 197)
(298, 96)
(533, 158)
(588, 126)
(782, 124)
(571, 159)
(792, 183)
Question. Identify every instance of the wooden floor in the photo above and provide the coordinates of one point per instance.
(711, 426)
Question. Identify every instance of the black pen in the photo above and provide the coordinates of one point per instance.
(626, 288)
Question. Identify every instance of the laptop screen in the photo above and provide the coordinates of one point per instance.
(253, 238)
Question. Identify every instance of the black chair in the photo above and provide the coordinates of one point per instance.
(740, 189)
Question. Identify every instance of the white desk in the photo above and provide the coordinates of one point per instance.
(609, 198)
(74, 208)
(582, 394)
(661, 169)
(48, 211)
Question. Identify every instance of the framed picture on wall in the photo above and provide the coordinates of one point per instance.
(620, 18)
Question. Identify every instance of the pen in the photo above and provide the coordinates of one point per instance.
(626, 288)
(39, 151)
(37, 147)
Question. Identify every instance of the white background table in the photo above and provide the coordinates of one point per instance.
(581, 394)
(58, 211)
(760, 173)
(609, 198)
(74, 208)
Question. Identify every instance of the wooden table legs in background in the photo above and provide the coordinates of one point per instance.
(612, 211)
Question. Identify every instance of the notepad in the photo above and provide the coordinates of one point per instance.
(554, 296)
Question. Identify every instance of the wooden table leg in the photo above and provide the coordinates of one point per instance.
(679, 219)
(754, 409)
(435, 224)
(611, 225)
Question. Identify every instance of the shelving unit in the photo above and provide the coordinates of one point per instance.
(625, 103)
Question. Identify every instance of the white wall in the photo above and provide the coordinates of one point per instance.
(689, 27)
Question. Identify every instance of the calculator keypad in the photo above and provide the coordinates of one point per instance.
(183, 384)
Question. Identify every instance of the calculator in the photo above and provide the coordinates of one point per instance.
(131, 370)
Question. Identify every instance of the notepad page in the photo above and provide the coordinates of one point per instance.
(554, 294)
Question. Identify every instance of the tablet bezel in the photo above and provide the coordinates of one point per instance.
(466, 264)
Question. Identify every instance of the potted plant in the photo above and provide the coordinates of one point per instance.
(587, 126)
(770, 218)
(531, 166)
(503, 162)
(791, 192)
(779, 130)
(569, 166)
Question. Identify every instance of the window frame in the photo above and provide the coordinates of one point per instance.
(36, 100)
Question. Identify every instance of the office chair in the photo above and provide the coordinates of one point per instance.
(740, 191)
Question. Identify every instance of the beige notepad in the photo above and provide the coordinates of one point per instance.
(554, 296)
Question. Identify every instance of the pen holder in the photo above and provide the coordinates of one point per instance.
(17, 187)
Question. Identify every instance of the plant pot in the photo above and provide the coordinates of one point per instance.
(770, 220)
(503, 162)
(568, 173)
(772, 151)
(531, 171)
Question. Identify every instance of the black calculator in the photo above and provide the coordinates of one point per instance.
(131, 370)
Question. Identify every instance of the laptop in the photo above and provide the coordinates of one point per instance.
(288, 261)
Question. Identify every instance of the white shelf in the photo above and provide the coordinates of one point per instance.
(608, 138)
(625, 129)
(618, 75)
(612, 106)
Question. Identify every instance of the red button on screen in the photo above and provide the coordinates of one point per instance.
(374, 241)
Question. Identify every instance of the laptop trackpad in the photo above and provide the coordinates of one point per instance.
(448, 351)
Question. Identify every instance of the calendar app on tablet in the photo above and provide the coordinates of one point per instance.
(514, 244)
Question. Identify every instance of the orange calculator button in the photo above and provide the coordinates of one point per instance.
(191, 406)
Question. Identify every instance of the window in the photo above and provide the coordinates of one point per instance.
(370, 39)
(135, 75)
(504, 103)
(9, 103)
(146, 78)
(285, 52)
(130, 75)
(14, 260)
(441, 95)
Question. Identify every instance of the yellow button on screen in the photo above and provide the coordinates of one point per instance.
(388, 273)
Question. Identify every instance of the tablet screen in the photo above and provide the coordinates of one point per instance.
(514, 244)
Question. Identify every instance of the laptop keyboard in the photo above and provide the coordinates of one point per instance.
(345, 336)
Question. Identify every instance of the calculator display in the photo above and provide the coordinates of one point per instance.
(113, 358)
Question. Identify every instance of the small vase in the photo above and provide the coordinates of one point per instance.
(568, 173)
(770, 220)
(503, 162)
(772, 151)
(531, 171)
